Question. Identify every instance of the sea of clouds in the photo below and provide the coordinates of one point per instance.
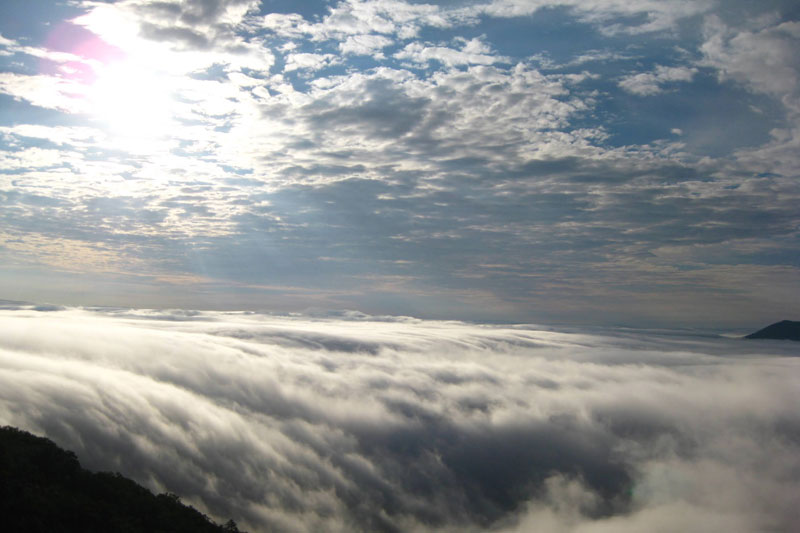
(345, 422)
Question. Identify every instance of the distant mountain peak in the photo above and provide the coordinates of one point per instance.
(784, 330)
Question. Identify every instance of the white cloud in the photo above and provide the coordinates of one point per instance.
(764, 60)
(363, 113)
(400, 18)
(60, 135)
(650, 83)
(45, 91)
(289, 24)
(387, 17)
(472, 52)
(308, 61)
(7, 42)
(364, 44)
(360, 424)
(659, 15)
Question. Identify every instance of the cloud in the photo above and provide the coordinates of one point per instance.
(364, 44)
(405, 19)
(360, 19)
(445, 159)
(349, 423)
(761, 59)
(195, 23)
(181, 37)
(612, 16)
(650, 83)
(308, 61)
(473, 52)
(44, 91)
(760, 56)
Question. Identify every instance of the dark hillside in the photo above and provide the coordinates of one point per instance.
(44, 489)
(785, 329)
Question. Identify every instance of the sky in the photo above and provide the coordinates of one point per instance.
(354, 423)
(629, 162)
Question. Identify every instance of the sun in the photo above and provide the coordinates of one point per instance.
(132, 101)
(130, 91)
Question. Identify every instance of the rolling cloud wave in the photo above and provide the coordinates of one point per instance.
(350, 422)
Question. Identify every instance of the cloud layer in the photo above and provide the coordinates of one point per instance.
(358, 423)
(626, 161)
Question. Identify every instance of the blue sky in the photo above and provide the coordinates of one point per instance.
(600, 161)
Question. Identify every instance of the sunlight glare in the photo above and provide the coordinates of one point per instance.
(132, 101)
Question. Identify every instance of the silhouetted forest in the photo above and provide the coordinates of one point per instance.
(44, 489)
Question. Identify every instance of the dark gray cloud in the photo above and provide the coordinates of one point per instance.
(348, 423)
(189, 37)
(194, 23)
(387, 113)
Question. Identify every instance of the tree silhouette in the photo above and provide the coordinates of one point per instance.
(44, 489)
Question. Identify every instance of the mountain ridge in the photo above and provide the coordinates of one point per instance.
(783, 330)
(43, 488)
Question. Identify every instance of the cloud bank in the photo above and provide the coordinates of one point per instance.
(355, 423)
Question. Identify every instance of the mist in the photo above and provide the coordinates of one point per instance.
(348, 422)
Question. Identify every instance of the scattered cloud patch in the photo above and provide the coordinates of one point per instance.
(472, 52)
(301, 61)
(650, 83)
(761, 59)
(365, 45)
(384, 152)
(636, 17)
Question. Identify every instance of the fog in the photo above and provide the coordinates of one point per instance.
(346, 422)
